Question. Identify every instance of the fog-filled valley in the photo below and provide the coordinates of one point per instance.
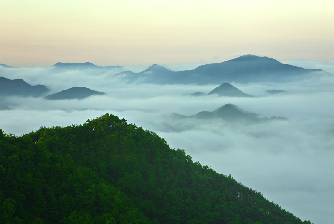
(286, 151)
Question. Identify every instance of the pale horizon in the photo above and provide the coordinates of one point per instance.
(132, 33)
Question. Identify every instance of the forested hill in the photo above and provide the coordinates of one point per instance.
(109, 171)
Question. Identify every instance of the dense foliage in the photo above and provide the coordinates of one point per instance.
(108, 171)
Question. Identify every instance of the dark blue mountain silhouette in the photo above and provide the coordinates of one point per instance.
(230, 113)
(244, 69)
(73, 93)
(6, 66)
(82, 66)
(18, 87)
(227, 89)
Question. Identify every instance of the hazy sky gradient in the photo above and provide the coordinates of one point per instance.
(129, 32)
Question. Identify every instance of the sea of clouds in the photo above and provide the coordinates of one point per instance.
(290, 162)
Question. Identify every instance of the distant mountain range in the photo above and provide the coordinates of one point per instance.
(6, 66)
(244, 69)
(82, 66)
(228, 112)
(73, 93)
(18, 87)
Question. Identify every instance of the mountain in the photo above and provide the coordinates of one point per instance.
(227, 89)
(154, 74)
(6, 66)
(82, 66)
(249, 68)
(73, 93)
(230, 113)
(18, 87)
(158, 69)
(244, 69)
(110, 171)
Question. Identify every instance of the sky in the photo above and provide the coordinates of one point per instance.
(139, 33)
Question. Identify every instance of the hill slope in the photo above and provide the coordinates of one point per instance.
(109, 171)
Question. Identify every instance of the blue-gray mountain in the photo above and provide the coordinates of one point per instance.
(244, 69)
(18, 87)
(227, 89)
(82, 66)
(73, 93)
(228, 112)
(6, 66)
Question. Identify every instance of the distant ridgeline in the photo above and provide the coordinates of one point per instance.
(6, 66)
(109, 171)
(73, 93)
(229, 113)
(244, 69)
(81, 66)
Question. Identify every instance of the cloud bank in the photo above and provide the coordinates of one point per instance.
(290, 162)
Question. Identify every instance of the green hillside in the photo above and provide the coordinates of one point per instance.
(109, 171)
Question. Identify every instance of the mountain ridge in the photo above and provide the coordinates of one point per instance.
(81, 66)
(226, 89)
(230, 113)
(73, 93)
(243, 69)
(18, 87)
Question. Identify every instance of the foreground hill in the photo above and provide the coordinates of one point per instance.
(73, 93)
(18, 87)
(109, 171)
(244, 69)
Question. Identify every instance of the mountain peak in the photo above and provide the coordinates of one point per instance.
(74, 65)
(253, 58)
(227, 89)
(229, 109)
(156, 68)
(73, 93)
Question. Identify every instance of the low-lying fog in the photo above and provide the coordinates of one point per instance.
(291, 162)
